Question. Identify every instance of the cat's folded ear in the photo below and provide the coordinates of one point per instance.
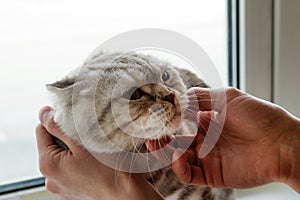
(62, 89)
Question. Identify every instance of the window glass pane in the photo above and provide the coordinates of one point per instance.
(41, 40)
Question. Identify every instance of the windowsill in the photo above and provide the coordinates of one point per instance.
(274, 191)
(30, 194)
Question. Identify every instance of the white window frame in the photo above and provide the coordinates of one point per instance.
(286, 55)
(266, 61)
(255, 47)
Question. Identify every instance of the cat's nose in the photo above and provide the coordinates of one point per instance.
(170, 98)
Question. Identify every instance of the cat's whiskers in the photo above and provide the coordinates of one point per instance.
(90, 140)
(160, 145)
(169, 133)
(171, 124)
(121, 158)
(190, 113)
(196, 99)
(116, 174)
(137, 150)
(196, 107)
(189, 109)
(162, 154)
(118, 166)
(133, 160)
(199, 98)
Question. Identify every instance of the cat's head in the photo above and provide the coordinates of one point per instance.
(115, 101)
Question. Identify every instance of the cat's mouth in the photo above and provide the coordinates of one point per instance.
(156, 109)
(167, 115)
(155, 144)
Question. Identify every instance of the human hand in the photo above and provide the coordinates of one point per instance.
(257, 144)
(74, 173)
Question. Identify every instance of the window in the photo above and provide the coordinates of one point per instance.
(41, 40)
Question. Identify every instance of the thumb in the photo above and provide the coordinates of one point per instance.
(46, 116)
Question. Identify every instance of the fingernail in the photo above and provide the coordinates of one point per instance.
(45, 112)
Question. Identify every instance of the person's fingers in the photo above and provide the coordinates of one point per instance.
(46, 116)
(198, 176)
(186, 172)
(152, 145)
(162, 152)
(181, 167)
(203, 99)
(189, 154)
(184, 141)
(199, 99)
(44, 139)
(204, 121)
(47, 150)
(179, 141)
(43, 111)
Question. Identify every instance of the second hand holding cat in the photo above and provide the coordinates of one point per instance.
(259, 143)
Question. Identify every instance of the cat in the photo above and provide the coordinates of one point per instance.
(130, 91)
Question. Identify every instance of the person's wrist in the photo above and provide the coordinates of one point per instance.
(289, 155)
(294, 179)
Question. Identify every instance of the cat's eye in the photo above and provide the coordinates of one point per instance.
(165, 76)
(133, 94)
